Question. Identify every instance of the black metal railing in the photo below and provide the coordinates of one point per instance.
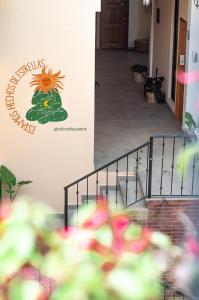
(168, 178)
(170, 293)
(150, 170)
(105, 181)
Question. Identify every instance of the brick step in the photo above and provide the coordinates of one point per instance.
(139, 215)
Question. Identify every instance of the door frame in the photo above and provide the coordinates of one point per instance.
(127, 24)
(175, 49)
(178, 104)
(151, 38)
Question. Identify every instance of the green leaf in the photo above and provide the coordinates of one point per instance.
(104, 236)
(133, 232)
(70, 291)
(130, 285)
(139, 68)
(185, 157)
(25, 290)
(10, 191)
(1, 194)
(189, 121)
(161, 240)
(7, 177)
(20, 183)
(17, 246)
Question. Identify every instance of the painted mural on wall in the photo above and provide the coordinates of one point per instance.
(46, 100)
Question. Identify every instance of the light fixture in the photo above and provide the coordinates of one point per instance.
(147, 2)
(196, 3)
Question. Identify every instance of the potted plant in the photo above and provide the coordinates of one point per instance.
(149, 90)
(107, 258)
(8, 183)
(139, 72)
(153, 90)
(192, 126)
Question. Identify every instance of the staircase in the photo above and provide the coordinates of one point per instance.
(145, 172)
(122, 195)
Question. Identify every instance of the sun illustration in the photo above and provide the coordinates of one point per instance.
(46, 101)
(47, 81)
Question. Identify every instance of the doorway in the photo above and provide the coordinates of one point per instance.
(114, 24)
(181, 61)
(123, 118)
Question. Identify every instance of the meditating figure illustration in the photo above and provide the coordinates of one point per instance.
(46, 99)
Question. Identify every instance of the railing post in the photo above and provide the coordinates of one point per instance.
(150, 167)
(66, 208)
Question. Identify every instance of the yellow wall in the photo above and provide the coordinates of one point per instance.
(64, 36)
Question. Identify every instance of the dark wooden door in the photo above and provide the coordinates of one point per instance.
(181, 61)
(114, 24)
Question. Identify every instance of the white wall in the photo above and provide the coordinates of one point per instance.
(184, 4)
(192, 90)
(139, 21)
(133, 22)
(163, 41)
(63, 33)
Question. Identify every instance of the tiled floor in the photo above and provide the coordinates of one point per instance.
(123, 118)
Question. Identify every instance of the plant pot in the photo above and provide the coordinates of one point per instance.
(150, 97)
(138, 77)
(142, 45)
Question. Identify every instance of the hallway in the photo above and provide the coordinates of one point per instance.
(123, 118)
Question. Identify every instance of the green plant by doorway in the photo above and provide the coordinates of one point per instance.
(139, 73)
(190, 122)
(9, 184)
(139, 69)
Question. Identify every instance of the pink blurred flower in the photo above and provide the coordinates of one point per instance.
(96, 220)
(140, 245)
(100, 216)
(192, 246)
(188, 77)
(5, 210)
(66, 232)
(30, 273)
(119, 225)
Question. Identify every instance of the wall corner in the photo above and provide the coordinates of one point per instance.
(97, 5)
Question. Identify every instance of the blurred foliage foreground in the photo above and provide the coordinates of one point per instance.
(106, 258)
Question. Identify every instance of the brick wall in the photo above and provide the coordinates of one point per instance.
(164, 215)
